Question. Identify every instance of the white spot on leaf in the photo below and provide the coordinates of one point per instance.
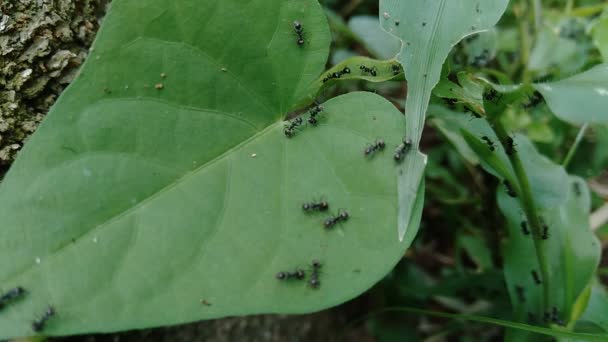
(601, 91)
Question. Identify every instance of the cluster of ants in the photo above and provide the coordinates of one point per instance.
(292, 126)
(549, 316)
(300, 274)
(14, 294)
(336, 74)
(373, 71)
(322, 206)
(544, 233)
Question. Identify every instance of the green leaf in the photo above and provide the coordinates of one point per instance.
(599, 33)
(581, 98)
(572, 250)
(552, 52)
(595, 317)
(469, 92)
(354, 68)
(466, 133)
(133, 206)
(427, 32)
(573, 254)
(380, 43)
(477, 249)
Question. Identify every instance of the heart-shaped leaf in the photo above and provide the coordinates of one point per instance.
(427, 31)
(162, 189)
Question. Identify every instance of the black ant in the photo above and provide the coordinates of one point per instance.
(314, 281)
(545, 233)
(312, 119)
(510, 146)
(11, 295)
(290, 128)
(533, 100)
(521, 293)
(320, 206)
(377, 146)
(491, 95)
(577, 189)
(297, 26)
(555, 316)
(450, 103)
(336, 74)
(536, 277)
(402, 149)
(524, 228)
(332, 221)
(489, 142)
(372, 71)
(38, 324)
(298, 274)
(396, 69)
(510, 191)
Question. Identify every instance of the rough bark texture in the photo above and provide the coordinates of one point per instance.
(42, 45)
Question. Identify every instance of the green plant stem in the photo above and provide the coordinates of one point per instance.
(577, 142)
(538, 15)
(569, 6)
(526, 44)
(527, 202)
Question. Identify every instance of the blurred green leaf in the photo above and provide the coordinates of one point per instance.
(477, 249)
(552, 52)
(380, 43)
(595, 317)
(600, 35)
(581, 98)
